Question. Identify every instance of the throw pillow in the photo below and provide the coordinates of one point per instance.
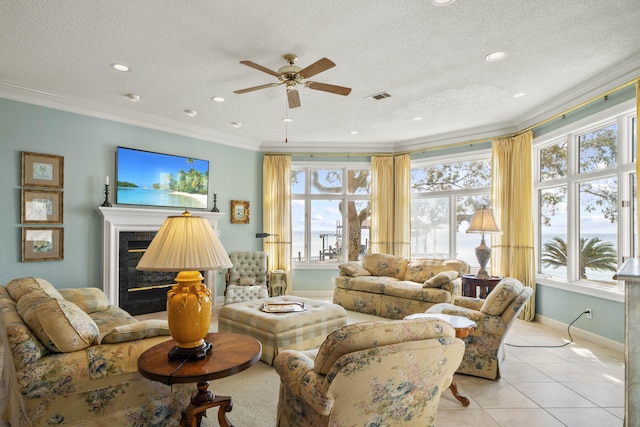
(135, 331)
(89, 300)
(60, 325)
(440, 279)
(247, 281)
(353, 269)
(501, 296)
(24, 285)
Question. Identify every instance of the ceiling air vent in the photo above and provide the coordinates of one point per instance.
(378, 96)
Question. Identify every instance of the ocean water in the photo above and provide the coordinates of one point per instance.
(151, 197)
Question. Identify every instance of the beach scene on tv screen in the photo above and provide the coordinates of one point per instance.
(155, 179)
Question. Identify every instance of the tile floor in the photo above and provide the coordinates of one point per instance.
(581, 384)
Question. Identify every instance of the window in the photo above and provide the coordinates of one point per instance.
(330, 212)
(445, 194)
(585, 193)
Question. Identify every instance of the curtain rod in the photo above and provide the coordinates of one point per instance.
(469, 142)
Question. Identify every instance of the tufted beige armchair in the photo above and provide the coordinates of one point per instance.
(370, 374)
(494, 317)
(248, 279)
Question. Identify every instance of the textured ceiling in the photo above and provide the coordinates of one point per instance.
(429, 59)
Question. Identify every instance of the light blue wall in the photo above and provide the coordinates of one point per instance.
(88, 146)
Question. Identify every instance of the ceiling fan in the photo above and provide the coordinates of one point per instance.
(292, 75)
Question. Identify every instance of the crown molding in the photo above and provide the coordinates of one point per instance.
(121, 115)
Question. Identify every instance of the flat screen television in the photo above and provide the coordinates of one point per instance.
(156, 179)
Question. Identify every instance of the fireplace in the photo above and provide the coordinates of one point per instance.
(126, 233)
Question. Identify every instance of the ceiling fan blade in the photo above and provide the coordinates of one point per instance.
(251, 89)
(338, 90)
(260, 67)
(293, 97)
(317, 67)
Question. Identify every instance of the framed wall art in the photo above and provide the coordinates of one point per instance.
(239, 212)
(42, 207)
(42, 170)
(42, 244)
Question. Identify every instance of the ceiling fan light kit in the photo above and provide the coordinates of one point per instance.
(291, 75)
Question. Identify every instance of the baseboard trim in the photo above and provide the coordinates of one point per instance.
(581, 333)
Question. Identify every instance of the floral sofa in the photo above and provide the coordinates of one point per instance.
(394, 287)
(381, 373)
(72, 358)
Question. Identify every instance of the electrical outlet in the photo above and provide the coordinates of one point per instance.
(589, 313)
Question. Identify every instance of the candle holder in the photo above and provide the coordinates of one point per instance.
(106, 202)
(215, 201)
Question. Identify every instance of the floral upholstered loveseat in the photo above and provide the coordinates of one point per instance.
(72, 358)
(394, 287)
(381, 373)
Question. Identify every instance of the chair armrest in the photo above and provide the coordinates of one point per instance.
(469, 302)
(296, 373)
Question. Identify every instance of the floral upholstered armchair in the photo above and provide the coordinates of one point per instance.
(494, 317)
(248, 279)
(372, 373)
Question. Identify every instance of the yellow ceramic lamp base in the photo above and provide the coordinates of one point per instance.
(189, 315)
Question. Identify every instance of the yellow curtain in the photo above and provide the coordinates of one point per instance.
(637, 155)
(402, 229)
(382, 205)
(512, 199)
(276, 195)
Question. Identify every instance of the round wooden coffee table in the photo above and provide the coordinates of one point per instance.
(230, 354)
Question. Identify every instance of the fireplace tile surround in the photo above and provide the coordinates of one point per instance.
(117, 219)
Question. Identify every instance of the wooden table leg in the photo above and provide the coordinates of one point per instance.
(454, 390)
(203, 400)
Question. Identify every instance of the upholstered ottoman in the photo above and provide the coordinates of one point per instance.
(282, 331)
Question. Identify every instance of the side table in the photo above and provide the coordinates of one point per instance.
(277, 283)
(230, 354)
(471, 284)
(463, 327)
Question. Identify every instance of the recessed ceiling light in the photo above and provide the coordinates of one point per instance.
(518, 95)
(191, 113)
(236, 124)
(417, 119)
(495, 56)
(120, 67)
(442, 2)
(353, 132)
(217, 98)
(287, 119)
(133, 97)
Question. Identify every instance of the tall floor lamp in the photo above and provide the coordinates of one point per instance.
(483, 222)
(187, 244)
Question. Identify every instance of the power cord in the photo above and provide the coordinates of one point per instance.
(555, 346)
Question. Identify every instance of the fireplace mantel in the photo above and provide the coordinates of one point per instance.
(117, 219)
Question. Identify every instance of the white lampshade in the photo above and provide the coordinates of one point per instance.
(185, 243)
(483, 222)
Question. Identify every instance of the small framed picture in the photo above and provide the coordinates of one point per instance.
(42, 207)
(239, 212)
(42, 170)
(42, 244)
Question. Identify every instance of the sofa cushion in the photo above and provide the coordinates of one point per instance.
(353, 269)
(422, 269)
(364, 335)
(385, 265)
(440, 279)
(501, 296)
(24, 285)
(60, 325)
(372, 284)
(135, 331)
(415, 291)
(89, 300)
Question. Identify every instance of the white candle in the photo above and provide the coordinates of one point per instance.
(106, 180)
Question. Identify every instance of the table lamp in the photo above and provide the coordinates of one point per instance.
(483, 222)
(187, 244)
